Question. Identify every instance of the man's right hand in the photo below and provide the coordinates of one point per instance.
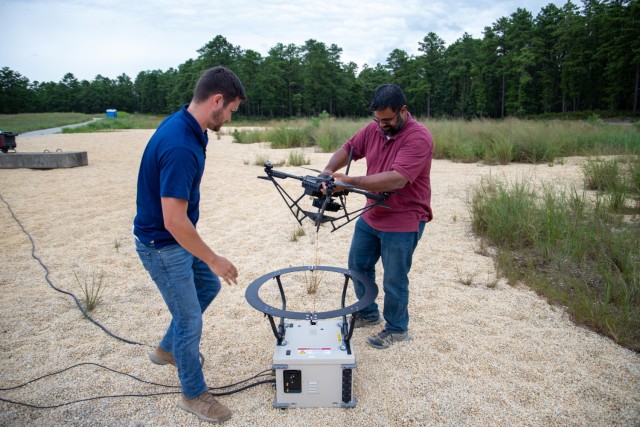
(224, 269)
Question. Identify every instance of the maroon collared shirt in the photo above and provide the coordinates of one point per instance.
(408, 152)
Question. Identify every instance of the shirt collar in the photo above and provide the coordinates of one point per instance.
(203, 137)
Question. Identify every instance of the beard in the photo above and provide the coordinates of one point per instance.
(392, 130)
(216, 121)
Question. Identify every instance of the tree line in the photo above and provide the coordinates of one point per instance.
(565, 59)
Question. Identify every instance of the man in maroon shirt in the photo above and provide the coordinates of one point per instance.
(398, 151)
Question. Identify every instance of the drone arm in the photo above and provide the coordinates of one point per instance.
(383, 181)
(350, 216)
(379, 197)
(292, 204)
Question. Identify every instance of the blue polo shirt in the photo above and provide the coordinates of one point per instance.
(172, 166)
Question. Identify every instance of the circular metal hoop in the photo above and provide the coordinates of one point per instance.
(370, 294)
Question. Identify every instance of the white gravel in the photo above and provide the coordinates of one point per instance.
(481, 354)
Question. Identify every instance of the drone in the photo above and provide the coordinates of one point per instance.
(325, 198)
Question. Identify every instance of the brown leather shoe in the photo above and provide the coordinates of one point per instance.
(206, 407)
(161, 357)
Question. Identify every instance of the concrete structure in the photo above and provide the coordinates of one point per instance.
(45, 160)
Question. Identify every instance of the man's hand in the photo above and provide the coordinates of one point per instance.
(224, 269)
(178, 224)
(340, 177)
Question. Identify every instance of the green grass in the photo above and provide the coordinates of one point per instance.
(489, 141)
(21, 123)
(527, 141)
(575, 249)
(285, 136)
(122, 121)
(297, 158)
(247, 136)
(325, 133)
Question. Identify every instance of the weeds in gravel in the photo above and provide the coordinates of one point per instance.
(313, 281)
(576, 250)
(91, 288)
(297, 233)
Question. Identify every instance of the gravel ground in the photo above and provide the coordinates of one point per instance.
(483, 353)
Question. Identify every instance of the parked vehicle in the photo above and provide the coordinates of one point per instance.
(8, 140)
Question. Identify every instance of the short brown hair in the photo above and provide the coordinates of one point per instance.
(219, 80)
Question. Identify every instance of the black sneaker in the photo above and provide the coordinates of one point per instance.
(363, 323)
(384, 339)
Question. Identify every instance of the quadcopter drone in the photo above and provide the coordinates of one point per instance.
(325, 198)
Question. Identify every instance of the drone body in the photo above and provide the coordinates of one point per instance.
(321, 189)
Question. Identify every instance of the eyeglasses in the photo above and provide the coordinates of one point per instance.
(386, 121)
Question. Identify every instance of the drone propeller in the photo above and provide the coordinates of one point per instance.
(311, 169)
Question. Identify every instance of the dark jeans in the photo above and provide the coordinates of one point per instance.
(396, 249)
(187, 286)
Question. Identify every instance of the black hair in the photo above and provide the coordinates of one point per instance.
(219, 80)
(388, 96)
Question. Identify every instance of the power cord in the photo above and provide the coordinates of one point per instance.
(220, 393)
(46, 277)
(111, 334)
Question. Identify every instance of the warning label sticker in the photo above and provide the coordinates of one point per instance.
(313, 350)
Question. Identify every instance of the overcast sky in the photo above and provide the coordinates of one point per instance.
(45, 39)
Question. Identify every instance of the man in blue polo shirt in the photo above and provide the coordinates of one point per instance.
(184, 268)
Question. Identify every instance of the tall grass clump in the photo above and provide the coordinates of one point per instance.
(324, 132)
(247, 136)
(527, 141)
(507, 222)
(330, 134)
(297, 158)
(91, 288)
(286, 136)
(617, 179)
(568, 249)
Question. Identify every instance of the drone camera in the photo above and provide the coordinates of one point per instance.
(331, 205)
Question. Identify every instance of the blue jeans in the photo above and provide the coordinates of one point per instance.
(187, 286)
(396, 250)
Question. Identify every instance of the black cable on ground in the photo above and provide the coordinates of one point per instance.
(86, 315)
(46, 277)
(222, 393)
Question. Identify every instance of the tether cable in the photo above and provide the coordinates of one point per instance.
(111, 334)
(162, 393)
(46, 277)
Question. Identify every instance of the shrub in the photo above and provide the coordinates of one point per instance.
(297, 158)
